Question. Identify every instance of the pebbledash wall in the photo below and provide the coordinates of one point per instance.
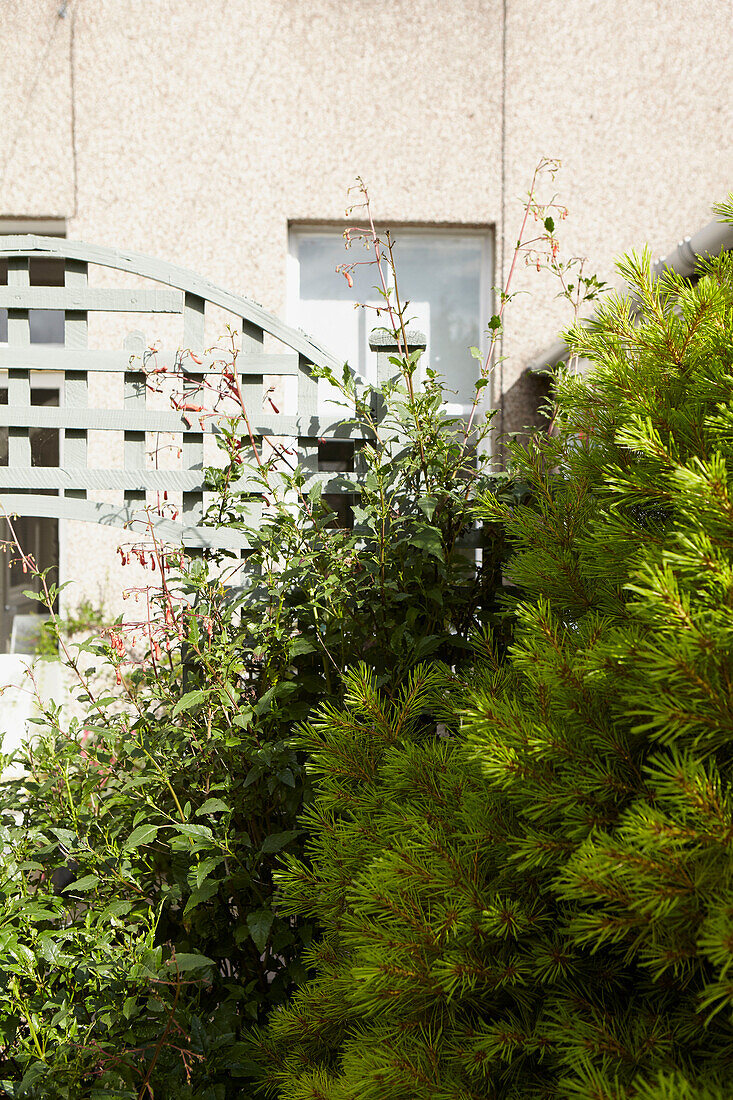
(201, 131)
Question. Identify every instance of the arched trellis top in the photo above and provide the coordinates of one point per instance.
(137, 263)
(63, 491)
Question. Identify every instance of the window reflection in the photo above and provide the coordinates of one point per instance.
(444, 275)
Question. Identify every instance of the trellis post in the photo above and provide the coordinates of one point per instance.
(387, 347)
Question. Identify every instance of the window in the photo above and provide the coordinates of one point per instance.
(37, 535)
(445, 274)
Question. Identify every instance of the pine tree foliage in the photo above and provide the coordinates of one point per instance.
(540, 903)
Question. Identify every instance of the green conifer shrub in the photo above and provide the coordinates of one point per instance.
(539, 904)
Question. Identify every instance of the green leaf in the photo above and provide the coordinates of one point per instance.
(113, 1094)
(476, 353)
(275, 841)
(259, 924)
(88, 882)
(185, 962)
(50, 949)
(199, 831)
(188, 701)
(67, 838)
(200, 895)
(205, 867)
(495, 322)
(300, 645)
(117, 908)
(549, 225)
(212, 806)
(142, 835)
(24, 955)
(315, 492)
(35, 1071)
(429, 540)
(253, 775)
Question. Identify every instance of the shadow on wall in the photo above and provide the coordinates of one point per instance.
(525, 406)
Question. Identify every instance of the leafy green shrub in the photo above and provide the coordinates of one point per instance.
(541, 904)
(86, 619)
(139, 940)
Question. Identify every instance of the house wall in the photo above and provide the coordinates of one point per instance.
(197, 130)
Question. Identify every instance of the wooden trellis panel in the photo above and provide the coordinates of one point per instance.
(180, 292)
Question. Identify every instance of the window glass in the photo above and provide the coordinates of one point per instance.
(444, 275)
(441, 279)
(327, 305)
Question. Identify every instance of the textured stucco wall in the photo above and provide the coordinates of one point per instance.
(36, 156)
(203, 128)
(634, 97)
(198, 129)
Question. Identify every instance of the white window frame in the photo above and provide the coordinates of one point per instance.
(485, 233)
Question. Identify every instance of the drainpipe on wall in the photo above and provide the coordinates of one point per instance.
(711, 240)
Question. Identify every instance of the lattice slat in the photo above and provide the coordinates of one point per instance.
(118, 420)
(90, 298)
(55, 477)
(307, 393)
(194, 318)
(43, 357)
(76, 382)
(135, 400)
(19, 386)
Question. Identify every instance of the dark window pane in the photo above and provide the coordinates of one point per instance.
(46, 325)
(44, 441)
(46, 272)
(336, 456)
